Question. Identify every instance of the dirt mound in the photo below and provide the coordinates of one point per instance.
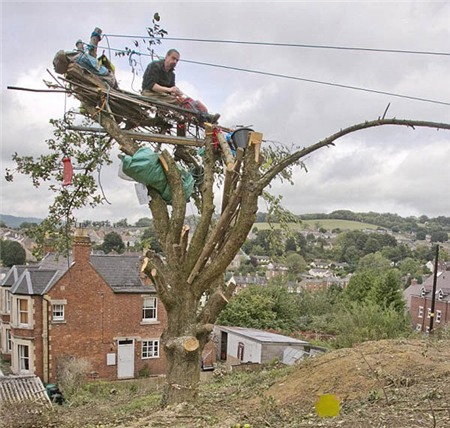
(357, 372)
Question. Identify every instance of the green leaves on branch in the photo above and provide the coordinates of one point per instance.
(88, 153)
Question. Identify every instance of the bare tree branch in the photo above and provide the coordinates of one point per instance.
(294, 157)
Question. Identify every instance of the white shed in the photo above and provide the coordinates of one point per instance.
(248, 345)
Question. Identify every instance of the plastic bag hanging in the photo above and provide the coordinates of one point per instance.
(67, 172)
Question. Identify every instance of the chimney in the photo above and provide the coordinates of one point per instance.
(81, 246)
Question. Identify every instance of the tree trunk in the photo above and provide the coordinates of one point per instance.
(183, 351)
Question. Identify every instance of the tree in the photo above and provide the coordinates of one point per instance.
(295, 263)
(388, 291)
(113, 242)
(191, 268)
(439, 236)
(269, 307)
(121, 223)
(375, 262)
(144, 222)
(12, 253)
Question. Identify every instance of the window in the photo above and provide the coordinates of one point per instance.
(240, 351)
(429, 313)
(8, 341)
(420, 314)
(440, 295)
(422, 292)
(149, 309)
(8, 302)
(150, 349)
(22, 311)
(24, 358)
(58, 312)
(419, 327)
(438, 316)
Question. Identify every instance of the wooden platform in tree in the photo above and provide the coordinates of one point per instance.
(135, 113)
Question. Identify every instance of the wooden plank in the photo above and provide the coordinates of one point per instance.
(147, 136)
(255, 138)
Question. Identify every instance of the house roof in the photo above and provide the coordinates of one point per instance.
(442, 285)
(14, 273)
(35, 281)
(121, 272)
(261, 335)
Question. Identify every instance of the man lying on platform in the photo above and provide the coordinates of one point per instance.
(159, 84)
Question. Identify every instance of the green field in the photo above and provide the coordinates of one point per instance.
(328, 224)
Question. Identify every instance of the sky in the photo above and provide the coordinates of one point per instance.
(388, 169)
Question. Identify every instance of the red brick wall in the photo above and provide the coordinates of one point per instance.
(95, 317)
(417, 301)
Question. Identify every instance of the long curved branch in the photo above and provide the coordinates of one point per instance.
(294, 157)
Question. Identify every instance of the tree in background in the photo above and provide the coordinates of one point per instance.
(144, 222)
(12, 253)
(113, 242)
(268, 307)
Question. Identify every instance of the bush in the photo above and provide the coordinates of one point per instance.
(72, 374)
(361, 322)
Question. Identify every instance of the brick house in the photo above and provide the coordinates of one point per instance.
(99, 308)
(419, 299)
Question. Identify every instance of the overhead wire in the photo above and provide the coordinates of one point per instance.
(303, 79)
(292, 45)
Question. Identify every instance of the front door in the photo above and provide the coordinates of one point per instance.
(125, 359)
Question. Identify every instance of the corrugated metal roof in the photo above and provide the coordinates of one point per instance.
(261, 335)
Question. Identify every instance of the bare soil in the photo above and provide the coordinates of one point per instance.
(392, 383)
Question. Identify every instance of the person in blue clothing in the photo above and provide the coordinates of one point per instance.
(158, 83)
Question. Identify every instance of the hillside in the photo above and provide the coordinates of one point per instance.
(328, 224)
(391, 383)
(15, 222)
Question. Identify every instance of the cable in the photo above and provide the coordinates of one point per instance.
(339, 85)
(291, 45)
(302, 79)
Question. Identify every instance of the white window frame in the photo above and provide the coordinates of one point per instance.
(16, 312)
(419, 327)
(420, 314)
(18, 360)
(8, 302)
(8, 339)
(149, 309)
(5, 304)
(440, 295)
(438, 315)
(429, 313)
(58, 312)
(149, 349)
(23, 356)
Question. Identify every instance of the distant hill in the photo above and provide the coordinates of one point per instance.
(15, 222)
(325, 223)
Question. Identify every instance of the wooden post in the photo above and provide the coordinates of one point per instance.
(255, 138)
(231, 177)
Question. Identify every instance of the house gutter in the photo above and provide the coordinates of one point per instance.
(45, 339)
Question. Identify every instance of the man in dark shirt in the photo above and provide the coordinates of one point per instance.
(159, 79)
(159, 83)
